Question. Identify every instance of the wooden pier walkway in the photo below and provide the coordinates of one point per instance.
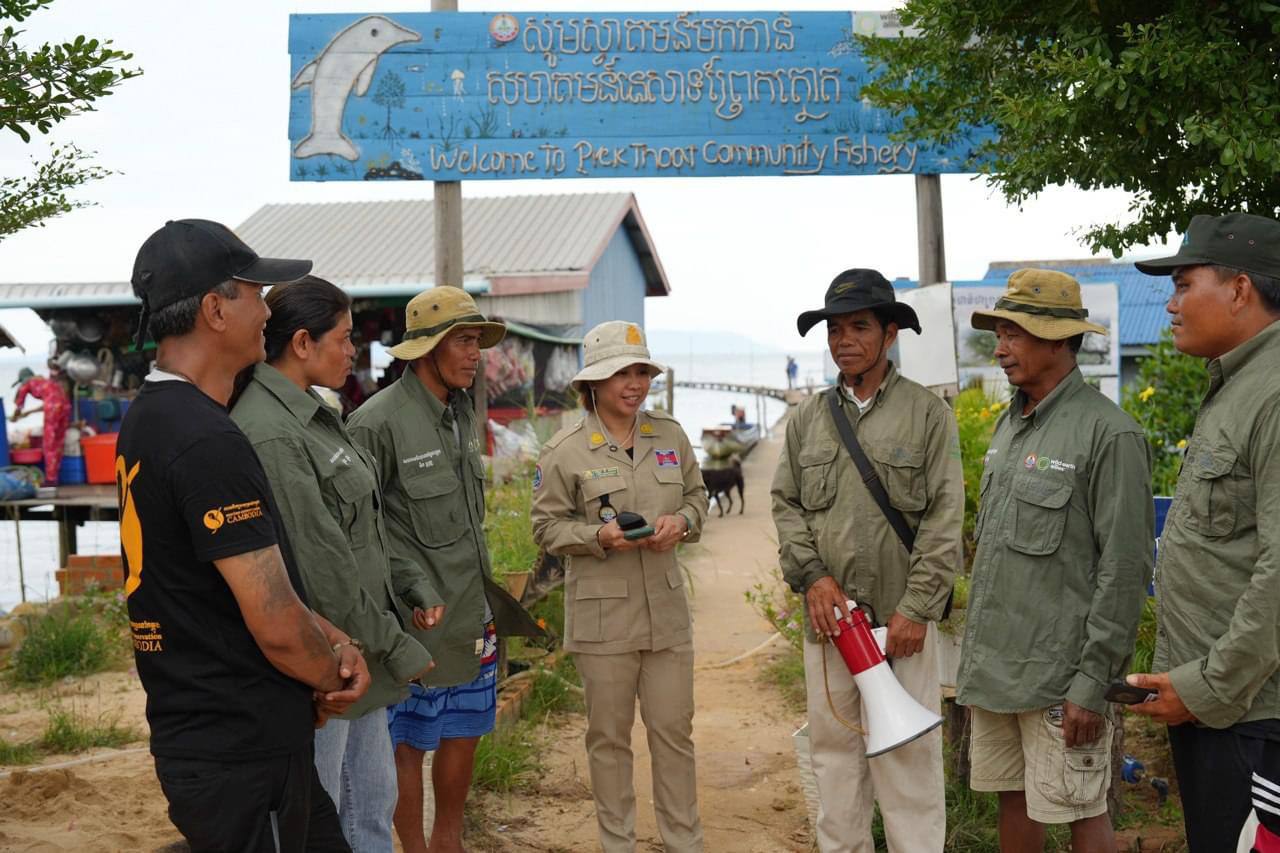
(790, 396)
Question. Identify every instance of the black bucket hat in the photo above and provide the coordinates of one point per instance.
(856, 290)
(190, 257)
(1239, 241)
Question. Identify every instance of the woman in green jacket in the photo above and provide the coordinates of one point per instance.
(326, 489)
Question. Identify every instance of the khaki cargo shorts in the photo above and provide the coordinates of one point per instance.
(1026, 752)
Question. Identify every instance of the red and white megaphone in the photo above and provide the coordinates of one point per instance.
(892, 717)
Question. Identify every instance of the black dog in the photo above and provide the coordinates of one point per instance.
(720, 483)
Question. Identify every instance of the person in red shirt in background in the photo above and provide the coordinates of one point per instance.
(57, 416)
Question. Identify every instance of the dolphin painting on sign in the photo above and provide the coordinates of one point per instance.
(346, 63)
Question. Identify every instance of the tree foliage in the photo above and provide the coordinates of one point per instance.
(1165, 400)
(1178, 103)
(38, 89)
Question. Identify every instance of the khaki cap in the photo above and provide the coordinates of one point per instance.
(611, 347)
(1044, 302)
(434, 313)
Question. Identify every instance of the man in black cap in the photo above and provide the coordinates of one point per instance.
(1217, 658)
(838, 542)
(237, 669)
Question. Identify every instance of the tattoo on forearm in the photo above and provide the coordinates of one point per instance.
(278, 594)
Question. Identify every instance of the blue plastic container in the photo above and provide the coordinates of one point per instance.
(4, 437)
(71, 472)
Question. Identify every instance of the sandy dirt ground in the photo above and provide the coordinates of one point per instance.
(750, 798)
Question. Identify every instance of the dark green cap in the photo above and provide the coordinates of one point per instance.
(1239, 241)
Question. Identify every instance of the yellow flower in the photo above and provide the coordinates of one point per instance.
(1182, 444)
(984, 414)
(1146, 393)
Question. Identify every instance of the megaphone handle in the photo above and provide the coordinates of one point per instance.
(831, 705)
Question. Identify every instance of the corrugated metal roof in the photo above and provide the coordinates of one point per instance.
(372, 242)
(1142, 297)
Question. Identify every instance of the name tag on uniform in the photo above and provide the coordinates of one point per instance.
(597, 473)
(667, 459)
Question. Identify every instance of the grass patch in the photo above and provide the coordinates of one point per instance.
(507, 527)
(551, 693)
(786, 673)
(64, 642)
(17, 753)
(69, 731)
(507, 759)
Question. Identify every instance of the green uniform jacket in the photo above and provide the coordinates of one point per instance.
(1218, 575)
(328, 498)
(618, 601)
(435, 514)
(1065, 535)
(828, 523)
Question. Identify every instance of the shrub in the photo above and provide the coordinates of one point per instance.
(65, 641)
(976, 415)
(507, 527)
(1165, 400)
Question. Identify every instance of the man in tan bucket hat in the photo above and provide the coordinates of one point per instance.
(422, 433)
(1064, 537)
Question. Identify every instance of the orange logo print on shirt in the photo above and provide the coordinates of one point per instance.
(130, 525)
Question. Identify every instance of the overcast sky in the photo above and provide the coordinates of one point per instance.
(203, 134)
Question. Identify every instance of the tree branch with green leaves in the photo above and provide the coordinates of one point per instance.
(1176, 103)
(39, 89)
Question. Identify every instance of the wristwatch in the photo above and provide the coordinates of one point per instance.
(350, 641)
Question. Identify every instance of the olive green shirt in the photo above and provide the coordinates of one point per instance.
(327, 494)
(1065, 534)
(434, 488)
(828, 523)
(1218, 575)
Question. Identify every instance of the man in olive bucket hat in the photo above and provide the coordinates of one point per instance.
(836, 543)
(1217, 660)
(1064, 549)
(422, 432)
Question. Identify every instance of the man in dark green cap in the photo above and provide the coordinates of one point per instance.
(837, 544)
(1217, 657)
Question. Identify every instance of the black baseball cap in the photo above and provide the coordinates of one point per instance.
(1240, 241)
(190, 257)
(856, 290)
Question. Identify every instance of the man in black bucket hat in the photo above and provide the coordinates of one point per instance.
(836, 542)
(238, 671)
(1217, 658)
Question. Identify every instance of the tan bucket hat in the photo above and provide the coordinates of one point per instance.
(610, 347)
(1044, 302)
(434, 313)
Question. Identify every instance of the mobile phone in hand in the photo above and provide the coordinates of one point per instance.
(638, 533)
(1126, 694)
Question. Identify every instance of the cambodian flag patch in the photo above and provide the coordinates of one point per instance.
(667, 459)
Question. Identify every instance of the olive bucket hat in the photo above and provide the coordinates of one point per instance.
(857, 290)
(434, 313)
(1044, 302)
(611, 347)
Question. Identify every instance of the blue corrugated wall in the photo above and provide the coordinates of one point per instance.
(616, 288)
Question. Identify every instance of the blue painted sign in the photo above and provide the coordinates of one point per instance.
(467, 96)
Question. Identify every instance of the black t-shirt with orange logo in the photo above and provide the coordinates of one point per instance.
(192, 491)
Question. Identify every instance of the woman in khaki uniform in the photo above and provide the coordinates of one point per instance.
(626, 616)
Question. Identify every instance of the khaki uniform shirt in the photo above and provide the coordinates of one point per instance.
(434, 487)
(1065, 533)
(1218, 576)
(619, 601)
(330, 504)
(829, 524)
